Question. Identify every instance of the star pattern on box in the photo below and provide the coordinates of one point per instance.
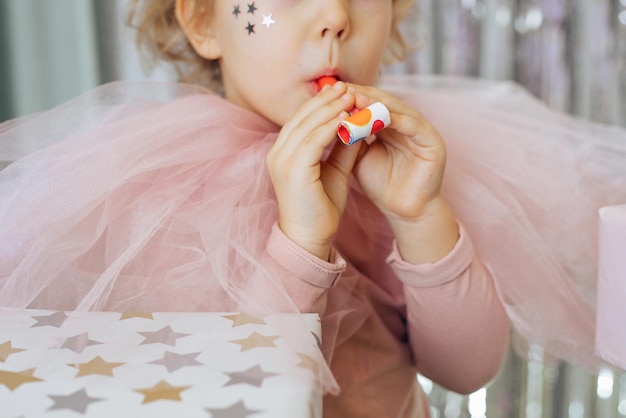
(256, 340)
(237, 410)
(307, 362)
(54, 320)
(162, 391)
(165, 335)
(318, 340)
(254, 376)
(174, 361)
(131, 315)
(7, 349)
(79, 342)
(242, 319)
(77, 401)
(14, 380)
(94, 364)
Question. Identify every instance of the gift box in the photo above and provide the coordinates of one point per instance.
(611, 299)
(210, 365)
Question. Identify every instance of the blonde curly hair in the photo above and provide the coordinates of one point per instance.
(160, 37)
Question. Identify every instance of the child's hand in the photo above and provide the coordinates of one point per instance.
(312, 193)
(401, 172)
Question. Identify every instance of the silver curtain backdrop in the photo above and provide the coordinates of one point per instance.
(572, 55)
(569, 53)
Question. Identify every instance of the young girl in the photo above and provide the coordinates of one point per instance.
(144, 197)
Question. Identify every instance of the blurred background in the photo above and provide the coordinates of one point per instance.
(569, 53)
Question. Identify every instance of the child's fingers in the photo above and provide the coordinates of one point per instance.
(405, 119)
(318, 110)
(304, 147)
(415, 129)
(343, 158)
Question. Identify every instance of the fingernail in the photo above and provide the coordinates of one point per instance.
(338, 85)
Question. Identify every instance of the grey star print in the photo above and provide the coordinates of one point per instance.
(254, 376)
(54, 320)
(173, 361)
(77, 401)
(165, 335)
(238, 410)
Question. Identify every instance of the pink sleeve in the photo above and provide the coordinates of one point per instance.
(306, 278)
(458, 329)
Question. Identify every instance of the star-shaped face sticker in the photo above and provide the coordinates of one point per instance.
(236, 11)
(14, 380)
(79, 342)
(250, 28)
(130, 315)
(162, 391)
(268, 21)
(97, 366)
(165, 335)
(251, 8)
(254, 376)
(6, 349)
(245, 319)
(54, 320)
(238, 410)
(173, 361)
(77, 401)
(256, 340)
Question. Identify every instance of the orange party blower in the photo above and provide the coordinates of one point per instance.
(362, 123)
(327, 80)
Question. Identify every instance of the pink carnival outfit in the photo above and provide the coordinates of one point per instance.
(155, 197)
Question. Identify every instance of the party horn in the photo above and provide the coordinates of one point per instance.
(326, 80)
(364, 123)
(360, 124)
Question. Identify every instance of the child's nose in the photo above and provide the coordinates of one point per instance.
(333, 18)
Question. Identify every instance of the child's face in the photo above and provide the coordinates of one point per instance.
(272, 51)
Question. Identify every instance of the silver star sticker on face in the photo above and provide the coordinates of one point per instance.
(268, 21)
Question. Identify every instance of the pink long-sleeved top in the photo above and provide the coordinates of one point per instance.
(443, 320)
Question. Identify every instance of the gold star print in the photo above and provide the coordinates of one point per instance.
(256, 340)
(13, 380)
(6, 349)
(307, 362)
(96, 366)
(130, 315)
(244, 319)
(162, 390)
